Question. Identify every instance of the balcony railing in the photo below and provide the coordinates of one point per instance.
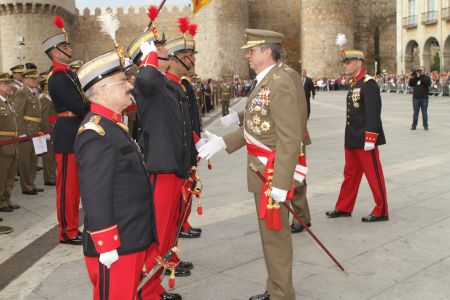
(430, 17)
(410, 22)
(446, 14)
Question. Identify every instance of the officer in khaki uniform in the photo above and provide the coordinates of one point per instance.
(48, 120)
(17, 72)
(28, 110)
(273, 127)
(8, 152)
(225, 92)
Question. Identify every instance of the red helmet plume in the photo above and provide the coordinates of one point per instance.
(58, 21)
(193, 29)
(183, 24)
(152, 12)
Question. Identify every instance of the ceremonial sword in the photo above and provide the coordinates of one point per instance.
(269, 185)
(161, 261)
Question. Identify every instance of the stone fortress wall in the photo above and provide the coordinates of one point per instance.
(310, 27)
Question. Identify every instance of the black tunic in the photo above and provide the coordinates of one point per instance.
(115, 188)
(363, 113)
(164, 116)
(65, 91)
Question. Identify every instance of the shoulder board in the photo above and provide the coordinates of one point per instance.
(185, 78)
(92, 125)
(183, 88)
(367, 78)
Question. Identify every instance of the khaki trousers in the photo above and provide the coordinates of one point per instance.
(8, 167)
(278, 252)
(27, 166)
(300, 204)
(49, 164)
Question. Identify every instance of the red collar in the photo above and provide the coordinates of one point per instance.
(173, 77)
(359, 76)
(60, 67)
(106, 112)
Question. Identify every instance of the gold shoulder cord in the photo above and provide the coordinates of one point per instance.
(93, 124)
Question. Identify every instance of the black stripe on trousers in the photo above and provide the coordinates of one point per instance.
(380, 185)
(62, 196)
(104, 281)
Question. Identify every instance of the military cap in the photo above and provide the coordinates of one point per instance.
(18, 69)
(30, 66)
(258, 36)
(352, 55)
(31, 74)
(4, 77)
(58, 39)
(134, 50)
(43, 77)
(102, 66)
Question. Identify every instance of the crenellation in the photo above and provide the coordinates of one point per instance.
(309, 28)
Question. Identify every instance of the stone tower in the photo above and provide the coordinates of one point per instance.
(321, 21)
(220, 36)
(33, 20)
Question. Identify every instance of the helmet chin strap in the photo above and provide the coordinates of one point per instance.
(193, 64)
(63, 52)
(181, 62)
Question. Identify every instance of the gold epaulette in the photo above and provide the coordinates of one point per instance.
(367, 78)
(92, 125)
(186, 78)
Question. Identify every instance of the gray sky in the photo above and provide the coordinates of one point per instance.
(81, 4)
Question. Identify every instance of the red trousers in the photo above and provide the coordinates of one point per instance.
(67, 195)
(120, 281)
(357, 162)
(167, 198)
(186, 225)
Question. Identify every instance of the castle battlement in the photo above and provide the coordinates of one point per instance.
(133, 11)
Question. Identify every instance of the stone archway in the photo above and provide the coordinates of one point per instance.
(430, 48)
(445, 57)
(412, 59)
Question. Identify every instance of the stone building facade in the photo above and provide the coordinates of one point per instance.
(423, 29)
(310, 27)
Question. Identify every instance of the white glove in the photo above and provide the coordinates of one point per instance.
(278, 195)
(231, 119)
(48, 137)
(369, 146)
(213, 145)
(108, 258)
(146, 48)
(22, 135)
(200, 143)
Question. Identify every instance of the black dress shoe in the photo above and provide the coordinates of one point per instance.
(265, 296)
(188, 235)
(33, 192)
(186, 265)
(199, 230)
(6, 209)
(77, 240)
(337, 214)
(372, 218)
(425, 127)
(179, 272)
(50, 183)
(168, 296)
(13, 205)
(38, 190)
(413, 127)
(296, 228)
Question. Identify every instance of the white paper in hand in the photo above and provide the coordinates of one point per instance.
(40, 145)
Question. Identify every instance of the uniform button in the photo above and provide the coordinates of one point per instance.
(116, 237)
(100, 243)
(348, 109)
(348, 123)
(348, 117)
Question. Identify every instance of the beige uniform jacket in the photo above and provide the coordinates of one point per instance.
(47, 110)
(8, 127)
(274, 116)
(28, 109)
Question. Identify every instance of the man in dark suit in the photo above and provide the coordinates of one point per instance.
(308, 86)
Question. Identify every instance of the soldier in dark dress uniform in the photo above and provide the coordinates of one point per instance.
(363, 134)
(71, 107)
(166, 141)
(115, 190)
